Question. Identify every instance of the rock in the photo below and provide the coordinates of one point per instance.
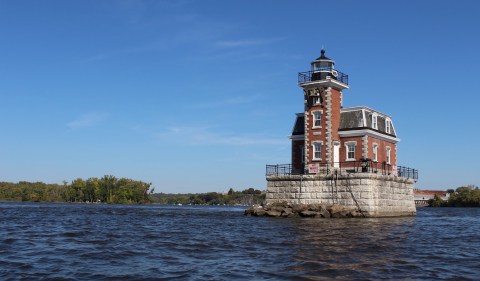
(345, 213)
(298, 208)
(259, 212)
(324, 212)
(336, 215)
(273, 213)
(335, 208)
(357, 214)
(303, 210)
(277, 208)
(287, 212)
(250, 211)
(308, 214)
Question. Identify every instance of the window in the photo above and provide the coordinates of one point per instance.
(322, 66)
(316, 100)
(317, 151)
(350, 146)
(375, 152)
(374, 121)
(302, 153)
(317, 119)
(388, 126)
(388, 155)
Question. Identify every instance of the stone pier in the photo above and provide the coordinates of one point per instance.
(374, 195)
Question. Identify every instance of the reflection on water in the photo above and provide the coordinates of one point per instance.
(111, 242)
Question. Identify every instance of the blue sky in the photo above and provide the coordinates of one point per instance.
(198, 96)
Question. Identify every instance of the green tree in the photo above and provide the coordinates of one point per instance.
(436, 201)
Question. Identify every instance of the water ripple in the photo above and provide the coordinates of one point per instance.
(113, 242)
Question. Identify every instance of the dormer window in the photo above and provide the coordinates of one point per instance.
(388, 126)
(374, 121)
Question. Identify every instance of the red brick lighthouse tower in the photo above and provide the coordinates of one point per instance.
(315, 137)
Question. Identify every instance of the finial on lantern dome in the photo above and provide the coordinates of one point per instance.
(322, 56)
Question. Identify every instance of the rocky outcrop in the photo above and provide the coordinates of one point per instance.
(286, 210)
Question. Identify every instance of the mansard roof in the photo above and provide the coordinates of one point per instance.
(355, 118)
(299, 127)
(352, 119)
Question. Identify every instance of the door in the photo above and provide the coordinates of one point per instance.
(336, 155)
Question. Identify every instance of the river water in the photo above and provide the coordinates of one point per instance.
(45, 241)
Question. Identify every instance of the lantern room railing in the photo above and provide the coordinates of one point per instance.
(362, 166)
(311, 76)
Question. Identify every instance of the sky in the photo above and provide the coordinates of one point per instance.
(198, 96)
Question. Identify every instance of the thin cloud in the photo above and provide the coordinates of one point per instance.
(126, 51)
(205, 136)
(246, 42)
(225, 102)
(87, 120)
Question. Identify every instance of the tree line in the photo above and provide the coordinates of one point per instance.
(464, 196)
(248, 196)
(107, 189)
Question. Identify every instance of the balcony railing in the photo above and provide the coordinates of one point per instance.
(362, 166)
(310, 76)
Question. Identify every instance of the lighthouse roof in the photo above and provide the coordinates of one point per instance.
(322, 56)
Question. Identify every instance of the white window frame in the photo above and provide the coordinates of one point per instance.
(354, 143)
(375, 152)
(316, 100)
(375, 121)
(389, 151)
(388, 126)
(315, 151)
(314, 119)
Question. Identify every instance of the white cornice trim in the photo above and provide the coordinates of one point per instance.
(367, 132)
(357, 108)
(325, 82)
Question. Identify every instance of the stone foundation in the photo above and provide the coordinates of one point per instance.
(371, 194)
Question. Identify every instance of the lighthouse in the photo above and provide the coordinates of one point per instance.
(340, 155)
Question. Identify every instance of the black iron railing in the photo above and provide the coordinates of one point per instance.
(310, 76)
(279, 170)
(362, 166)
(406, 172)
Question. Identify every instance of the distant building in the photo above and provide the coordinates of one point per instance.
(423, 196)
